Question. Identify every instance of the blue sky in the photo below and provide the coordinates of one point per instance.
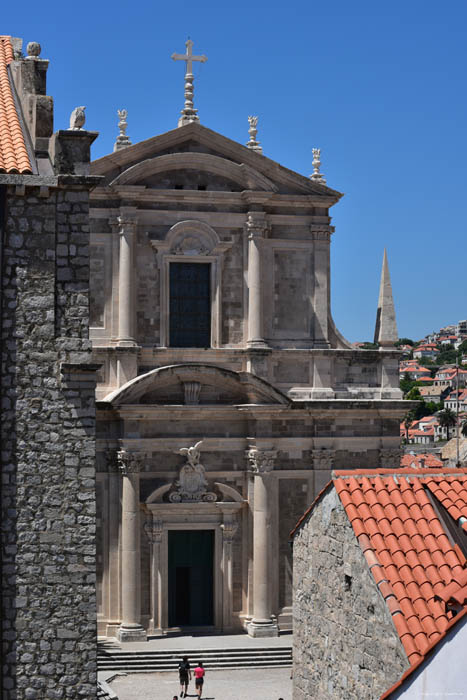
(379, 87)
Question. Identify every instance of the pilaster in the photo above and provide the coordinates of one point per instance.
(321, 235)
(127, 223)
(154, 530)
(256, 229)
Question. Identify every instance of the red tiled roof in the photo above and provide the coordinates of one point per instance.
(429, 460)
(455, 592)
(429, 431)
(453, 496)
(398, 684)
(13, 154)
(394, 521)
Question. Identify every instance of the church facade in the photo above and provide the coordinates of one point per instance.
(226, 394)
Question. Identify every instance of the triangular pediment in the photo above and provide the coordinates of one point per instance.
(196, 147)
(196, 384)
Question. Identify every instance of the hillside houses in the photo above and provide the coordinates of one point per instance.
(452, 398)
(449, 376)
(426, 350)
(415, 370)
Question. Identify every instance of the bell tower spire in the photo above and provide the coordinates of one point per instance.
(386, 327)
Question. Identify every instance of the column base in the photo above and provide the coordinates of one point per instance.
(257, 344)
(267, 628)
(126, 343)
(132, 634)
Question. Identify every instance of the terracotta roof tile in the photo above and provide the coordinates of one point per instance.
(416, 562)
(13, 153)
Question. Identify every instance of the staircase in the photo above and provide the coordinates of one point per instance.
(112, 658)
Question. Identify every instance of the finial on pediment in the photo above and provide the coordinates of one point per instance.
(122, 139)
(77, 119)
(189, 113)
(317, 176)
(252, 142)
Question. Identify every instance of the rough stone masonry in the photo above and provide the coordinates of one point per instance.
(48, 554)
(48, 494)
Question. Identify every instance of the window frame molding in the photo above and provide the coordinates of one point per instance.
(211, 250)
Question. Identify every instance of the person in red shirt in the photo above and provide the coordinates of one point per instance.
(199, 677)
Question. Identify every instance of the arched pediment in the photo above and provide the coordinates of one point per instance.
(196, 384)
(243, 175)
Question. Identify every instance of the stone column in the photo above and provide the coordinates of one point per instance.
(256, 228)
(229, 528)
(130, 629)
(263, 623)
(127, 228)
(321, 235)
(154, 532)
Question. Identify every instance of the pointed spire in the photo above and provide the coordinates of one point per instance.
(386, 327)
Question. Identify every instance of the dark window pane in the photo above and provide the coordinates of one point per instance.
(190, 305)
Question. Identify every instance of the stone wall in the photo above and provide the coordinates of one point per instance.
(48, 447)
(345, 644)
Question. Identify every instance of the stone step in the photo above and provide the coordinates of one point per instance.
(168, 660)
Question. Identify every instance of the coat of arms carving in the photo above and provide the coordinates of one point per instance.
(191, 485)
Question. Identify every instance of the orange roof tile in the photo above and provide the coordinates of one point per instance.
(417, 566)
(428, 460)
(14, 157)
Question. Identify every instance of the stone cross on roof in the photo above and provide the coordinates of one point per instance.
(189, 114)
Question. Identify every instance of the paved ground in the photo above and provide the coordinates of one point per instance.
(254, 684)
(201, 641)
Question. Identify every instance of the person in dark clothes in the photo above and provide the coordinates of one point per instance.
(185, 675)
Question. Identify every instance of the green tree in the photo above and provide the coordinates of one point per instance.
(404, 341)
(447, 356)
(447, 419)
(422, 409)
(414, 394)
(407, 382)
(464, 427)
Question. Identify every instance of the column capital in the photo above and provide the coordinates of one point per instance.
(323, 458)
(228, 531)
(321, 232)
(257, 225)
(129, 462)
(261, 461)
(153, 530)
(127, 219)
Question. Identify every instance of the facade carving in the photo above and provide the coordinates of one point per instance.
(192, 391)
(190, 245)
(256, 225)
(154, 529)
(191, 485)
(323, 459)
(261, 461)
(129, 462)
(229, 530)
